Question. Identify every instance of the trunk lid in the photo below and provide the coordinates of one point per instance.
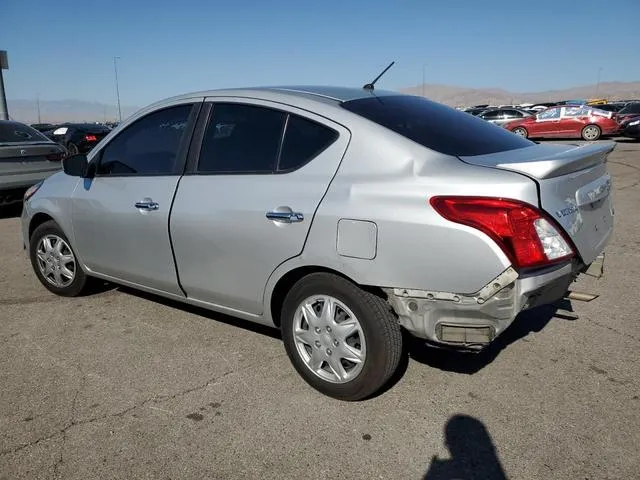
(574, 188)
(28, 157)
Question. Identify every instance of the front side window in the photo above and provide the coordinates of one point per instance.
(149, 146)
(549, 114)
(241, 139)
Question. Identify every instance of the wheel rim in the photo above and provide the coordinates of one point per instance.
(520, 132)
(56, 261)
(590, 133)
(329, 339)
(72, 149)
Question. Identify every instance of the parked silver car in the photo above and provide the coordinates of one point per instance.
(339, 215)
(26, 158)
(502, 116)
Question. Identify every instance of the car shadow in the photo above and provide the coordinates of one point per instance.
(465, 362)
(472, 453)
(203, 312)
(12, 210)
(627, 140)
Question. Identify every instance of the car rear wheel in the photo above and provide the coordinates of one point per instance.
(591, 133)
(72, 148)
(344, 341)
(55, 262)
(520, 131)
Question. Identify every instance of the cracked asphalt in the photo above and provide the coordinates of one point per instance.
(124, 385)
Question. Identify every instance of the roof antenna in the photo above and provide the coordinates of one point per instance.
(369, 86)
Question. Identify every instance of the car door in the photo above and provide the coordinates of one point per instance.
(547, 122)
(121, 216)
(248, 199)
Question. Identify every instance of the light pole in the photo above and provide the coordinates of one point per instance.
(4, 65)
(424, 66)
(38, 105)
(598, 82)
(115, 69)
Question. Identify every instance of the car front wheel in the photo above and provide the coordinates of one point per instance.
(55, 262)
(344, 341)
(520, 132)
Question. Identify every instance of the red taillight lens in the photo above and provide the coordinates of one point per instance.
(55, 157)
(510, 223)
(90, 138)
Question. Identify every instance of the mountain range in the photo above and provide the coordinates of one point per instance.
(55, 111)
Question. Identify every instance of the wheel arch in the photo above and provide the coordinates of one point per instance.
(287, 280)
(37, 220)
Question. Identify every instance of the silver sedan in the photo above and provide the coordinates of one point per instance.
(340, 216)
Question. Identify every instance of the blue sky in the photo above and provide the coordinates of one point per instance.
(63, 49)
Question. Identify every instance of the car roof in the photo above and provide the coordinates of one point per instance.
(320, 93)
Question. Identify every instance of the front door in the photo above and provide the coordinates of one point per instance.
(247, 205)
(121, 216)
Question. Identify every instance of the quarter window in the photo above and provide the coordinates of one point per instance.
(241, 139)
(149, 146)
(303, 141)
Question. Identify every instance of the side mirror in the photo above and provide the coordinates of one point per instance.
(76, 165)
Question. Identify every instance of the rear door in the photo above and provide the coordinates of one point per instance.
(249, 197)
(121, 216)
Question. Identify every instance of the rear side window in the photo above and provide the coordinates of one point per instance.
(436, 126)
(241, 139)
(303, 141)
(11, 132)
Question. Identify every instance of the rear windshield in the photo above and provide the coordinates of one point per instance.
(631, 108)
(11, 132)
(436, 126)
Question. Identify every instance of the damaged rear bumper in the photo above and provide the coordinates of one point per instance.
(475, 320)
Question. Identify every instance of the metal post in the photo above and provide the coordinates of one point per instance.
(4, 111)
(38, 104)
(115, 68)
(423, 77)
(598, 82)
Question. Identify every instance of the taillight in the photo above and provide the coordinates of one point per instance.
(90, 138)
(526, 235)
(55, 157)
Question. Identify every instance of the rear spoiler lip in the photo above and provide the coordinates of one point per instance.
(542, 161)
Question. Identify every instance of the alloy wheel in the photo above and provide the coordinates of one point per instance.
(56, 261)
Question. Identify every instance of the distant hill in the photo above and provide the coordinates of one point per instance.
(461, 96)
(79, 111)
(55, 111)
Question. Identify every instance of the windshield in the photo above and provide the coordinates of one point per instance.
(13, 132)
(631, 108)
(436, 126)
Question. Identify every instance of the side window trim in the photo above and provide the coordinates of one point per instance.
(183, 148)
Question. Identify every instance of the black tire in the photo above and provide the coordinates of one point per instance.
(80, 279)
(593, 128)
(521, 131)
(72, 148)
(381, 330)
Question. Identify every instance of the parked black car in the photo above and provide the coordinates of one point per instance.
(43, 127)
(632, 128)
(78, 137)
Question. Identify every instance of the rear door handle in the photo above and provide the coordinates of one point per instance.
(285, 217)
(147, 204)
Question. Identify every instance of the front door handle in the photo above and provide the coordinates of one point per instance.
(147, 204)
(285, 216)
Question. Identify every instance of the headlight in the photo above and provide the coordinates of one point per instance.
(635, 122)
(31, 190)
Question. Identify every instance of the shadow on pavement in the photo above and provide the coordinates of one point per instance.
(469, 362)
(203, 312)
(12, 210)
(472, 453)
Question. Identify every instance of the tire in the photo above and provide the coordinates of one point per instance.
(591, 133)
(72, 148)
(521, 131)
(52, 258)
(377, 341)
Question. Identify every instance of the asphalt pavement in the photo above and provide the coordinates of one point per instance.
(125, 385)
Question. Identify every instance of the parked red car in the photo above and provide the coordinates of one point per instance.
(572, 121)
